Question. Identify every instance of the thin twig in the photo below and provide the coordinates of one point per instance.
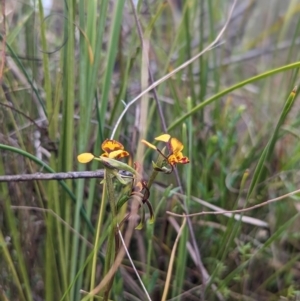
(238, 210)
(171, 263)
(133, 265)
(60, 176)
(244, 219)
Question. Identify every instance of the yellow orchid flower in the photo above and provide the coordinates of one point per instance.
(175, 146)
(112, 150)
(176, 156)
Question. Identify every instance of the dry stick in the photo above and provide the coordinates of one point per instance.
(238, 210)
(131, 261)
(172, 259)
(60, 176)
(204, 274)
(245, 219)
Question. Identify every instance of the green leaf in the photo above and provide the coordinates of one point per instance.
(267, 152)
(17, 29)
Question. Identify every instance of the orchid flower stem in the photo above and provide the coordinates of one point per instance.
(98, 232)
(112, 237)
(159, 162)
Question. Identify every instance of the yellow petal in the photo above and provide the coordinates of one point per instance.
(163, 138)
(117, 154)
(85, 157)
(172, 159)
(181, 158)
(178, 158)
(176, 145)
(110, 145)
(148, 144)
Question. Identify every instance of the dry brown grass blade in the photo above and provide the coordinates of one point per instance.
(171, 262)
(231, 212)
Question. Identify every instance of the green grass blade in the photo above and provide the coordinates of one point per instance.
(265, 156)
(112, 52)
(230, 89)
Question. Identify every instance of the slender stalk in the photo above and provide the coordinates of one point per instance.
(97, 237)
(111, 239)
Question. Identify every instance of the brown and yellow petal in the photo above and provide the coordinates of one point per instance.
(110, 145)
(172, 159)
(184, 160)
(117, 154)
(181, 159)
(178, 158)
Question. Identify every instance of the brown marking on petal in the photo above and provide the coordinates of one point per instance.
(184, 160)
(122, 155)
(110, 145)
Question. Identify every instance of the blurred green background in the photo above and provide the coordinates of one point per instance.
(69, 68)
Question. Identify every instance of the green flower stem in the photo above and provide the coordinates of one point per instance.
(111, 248)
(123, 199)
(109, 259)
(108, 175)
(159, 162)
(97, 237)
